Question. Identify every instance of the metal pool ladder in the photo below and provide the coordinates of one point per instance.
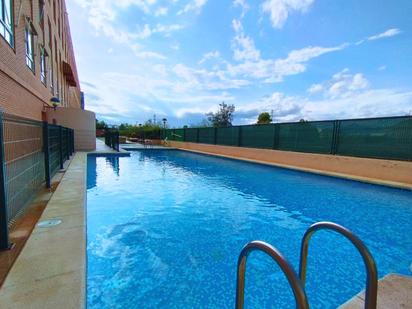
(297, 283)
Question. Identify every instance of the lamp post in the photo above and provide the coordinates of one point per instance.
(164, 126)
(55, 102)
(141, 132)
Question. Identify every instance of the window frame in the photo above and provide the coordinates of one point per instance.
(4, 28)
(43, 66)
(51, 75)
(28, 34)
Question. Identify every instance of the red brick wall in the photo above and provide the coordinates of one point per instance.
(21, 90)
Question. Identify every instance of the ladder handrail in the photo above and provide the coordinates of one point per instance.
(294, 281)
(371, 271)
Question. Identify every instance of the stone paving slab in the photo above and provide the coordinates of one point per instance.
(394, 292)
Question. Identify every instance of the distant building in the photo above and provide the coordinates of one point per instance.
(37, 63)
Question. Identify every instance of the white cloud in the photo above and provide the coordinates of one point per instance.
(252, 65)
(363, 104)
(242, 4)
(193, 6)
(167, 29)
(279, 10)
(342, 85)
(388, 33)
(149, 55)
(274, 70)
(175, 46)
(315, 88)
(209, 55)
(162, 11)
(103, 16)
(237, 25)
(382, 68)
(244, 48)
(202, 79)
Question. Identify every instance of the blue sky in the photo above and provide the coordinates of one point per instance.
(306, 59)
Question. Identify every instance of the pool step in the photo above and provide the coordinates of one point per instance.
(394, 291)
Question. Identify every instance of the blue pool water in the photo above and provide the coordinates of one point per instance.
(165, 228)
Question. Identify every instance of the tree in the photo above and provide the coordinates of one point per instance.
(264, 118)
(101, 125)
(223, 117)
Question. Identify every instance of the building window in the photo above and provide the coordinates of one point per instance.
(41, 13)
(43, 72)
(51, 76)
(50, 35)
(29, 48)
(54, 10)
(6, 21)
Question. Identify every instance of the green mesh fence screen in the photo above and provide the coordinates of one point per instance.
(176, 135)
(207, 135)
(257, 136)
(388, 138)
(167, 134)
(24, 162)
(54, 148)
(191, 135)
(228, 136)
(305, 136)
(65, 144)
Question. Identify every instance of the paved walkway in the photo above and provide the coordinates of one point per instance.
(102, 147)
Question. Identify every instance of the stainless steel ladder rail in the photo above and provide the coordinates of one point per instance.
(294, 281)
(372, 273)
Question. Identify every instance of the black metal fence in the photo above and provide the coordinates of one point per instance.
(384, 138)
(31, 152)
(111, 138)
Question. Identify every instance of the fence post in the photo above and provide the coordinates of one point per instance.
(276, 136)
(215, 136)
(335, 137)
(4, 223)
(68, 143)
(46, 150)
(73, 149)
(61, 146)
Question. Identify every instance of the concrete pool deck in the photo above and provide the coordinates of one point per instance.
(394, 291)
(51, 269)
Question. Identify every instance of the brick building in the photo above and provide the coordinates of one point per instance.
(36, 57)
(37, 64)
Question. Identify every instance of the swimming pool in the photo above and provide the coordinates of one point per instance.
(165, 228)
